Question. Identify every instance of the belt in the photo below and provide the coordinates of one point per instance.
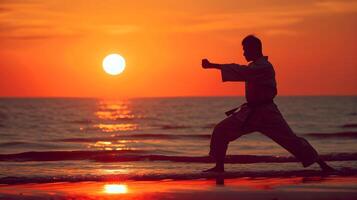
(249, 104)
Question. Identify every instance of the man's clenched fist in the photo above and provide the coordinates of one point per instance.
(205, 63)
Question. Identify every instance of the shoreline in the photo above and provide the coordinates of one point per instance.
(313, 187)
(192, 176)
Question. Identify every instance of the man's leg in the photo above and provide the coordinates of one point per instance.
(276, 128)
(225, 131)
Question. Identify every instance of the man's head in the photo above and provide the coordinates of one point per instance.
(252, 47)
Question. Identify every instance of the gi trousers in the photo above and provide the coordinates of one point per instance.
(267, 120)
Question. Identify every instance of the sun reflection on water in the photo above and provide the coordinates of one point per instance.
(110, 112)
(114, 110)
(114, 115)
(113, 145)
(115, 188)
(116, 127)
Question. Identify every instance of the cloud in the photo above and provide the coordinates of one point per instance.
(34, 30)
(338, 6)
(43, 20)
(286, 32)
(49, 19)
(239, 21)
(275, 19)
(113, 29)
(32, 37)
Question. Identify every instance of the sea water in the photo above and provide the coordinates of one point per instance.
(45, 138)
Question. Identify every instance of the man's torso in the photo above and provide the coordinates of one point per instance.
(262, 87)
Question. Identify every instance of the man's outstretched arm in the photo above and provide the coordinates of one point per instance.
(236, 72)
(208, 65)
(230, 72)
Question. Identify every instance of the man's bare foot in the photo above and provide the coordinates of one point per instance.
(215, 169)
(325, 167)
(328, 169)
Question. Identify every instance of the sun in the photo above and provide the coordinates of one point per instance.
(114, 64)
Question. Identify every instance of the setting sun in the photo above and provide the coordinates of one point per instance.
(115, 189)
(114, 64)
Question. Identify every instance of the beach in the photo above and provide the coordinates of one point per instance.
(156, 148)
(239, 188)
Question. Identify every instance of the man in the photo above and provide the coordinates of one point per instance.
(259, 113)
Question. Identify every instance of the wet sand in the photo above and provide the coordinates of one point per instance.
(333, 187)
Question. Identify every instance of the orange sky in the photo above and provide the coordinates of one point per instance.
(55, 48)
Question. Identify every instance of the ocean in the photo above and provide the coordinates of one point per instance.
(71, 139)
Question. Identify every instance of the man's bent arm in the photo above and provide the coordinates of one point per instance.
(232, 72)
(236, 72)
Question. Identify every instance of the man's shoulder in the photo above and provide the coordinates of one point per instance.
(262, 63)
(262, 60)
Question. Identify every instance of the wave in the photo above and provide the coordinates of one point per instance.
(64, 155)
(243, 159)
(83, 121)
(88, 121)
(349, 126)
(206, 126)
(140, 155)
(6, 144)
(165, 127)
(212, 125)
(339, 135)
(37, 145)
(172, 176)
(132, 136)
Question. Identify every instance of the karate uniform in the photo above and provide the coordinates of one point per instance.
(259, 113)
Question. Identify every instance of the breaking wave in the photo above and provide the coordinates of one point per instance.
(340, 135)
(174, 176)
(140, 155)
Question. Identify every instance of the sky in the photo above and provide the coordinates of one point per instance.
(55, 48)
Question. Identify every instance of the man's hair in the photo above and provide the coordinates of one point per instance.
(252, 42)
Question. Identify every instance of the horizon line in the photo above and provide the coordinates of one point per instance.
(183, 96)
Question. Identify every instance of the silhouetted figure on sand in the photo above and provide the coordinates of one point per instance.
(260, 113)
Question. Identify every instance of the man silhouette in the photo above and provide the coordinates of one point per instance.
(260, 113)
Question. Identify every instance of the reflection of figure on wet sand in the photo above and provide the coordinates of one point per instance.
(219, 180)
(260, 113)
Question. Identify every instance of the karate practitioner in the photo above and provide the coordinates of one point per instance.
(259, 113)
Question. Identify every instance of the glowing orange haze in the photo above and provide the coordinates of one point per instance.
(55, 48)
